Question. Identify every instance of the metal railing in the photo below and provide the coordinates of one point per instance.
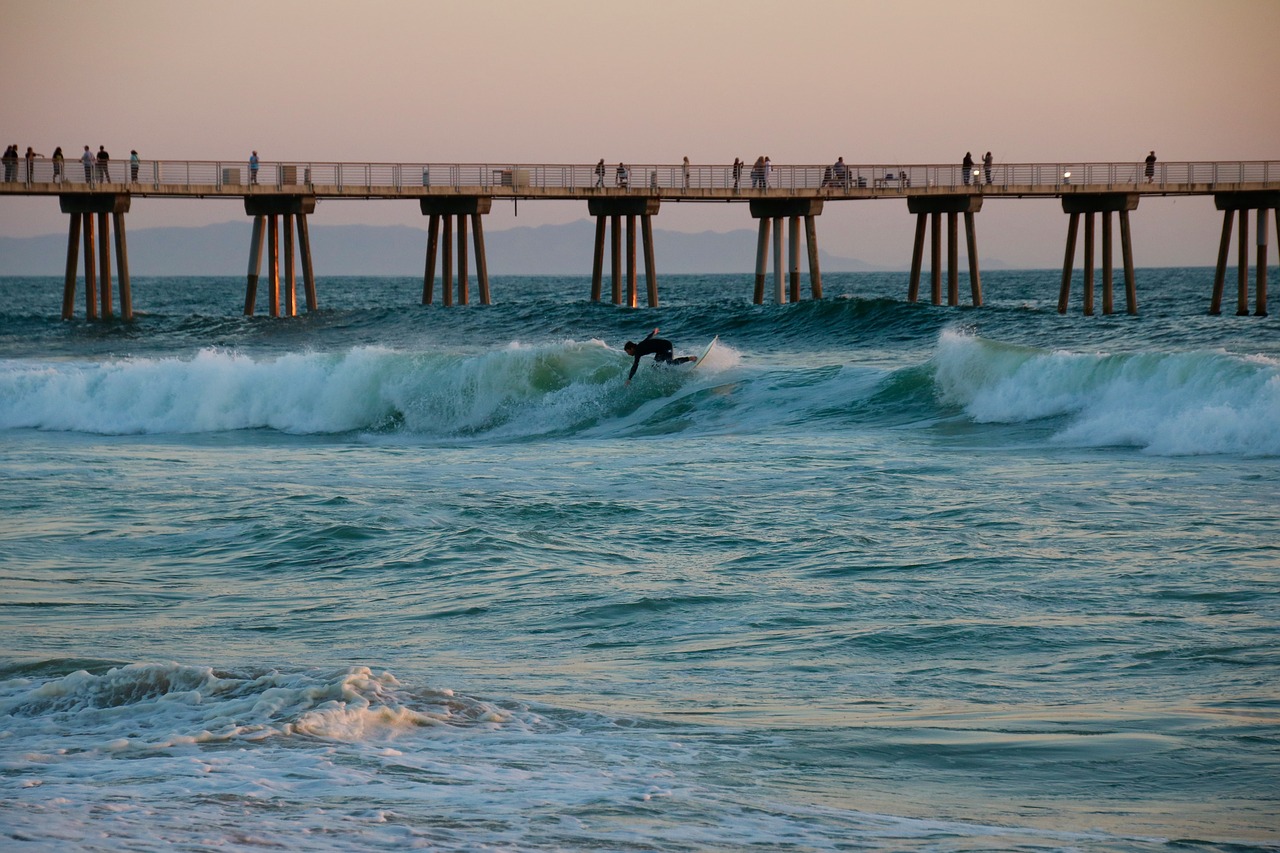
(238, 177)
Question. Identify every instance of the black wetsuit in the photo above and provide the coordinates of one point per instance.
(660, 349)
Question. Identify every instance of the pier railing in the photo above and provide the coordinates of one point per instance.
(234, 177)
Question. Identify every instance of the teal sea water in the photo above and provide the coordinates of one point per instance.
(876, 576)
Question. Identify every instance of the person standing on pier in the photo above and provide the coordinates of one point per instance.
(134, 163)
(966, 166)
(768, 172)
(87, 159)
(1151, 166)
(986, 165)
(600, 173)
(253, 168)
(621, 176)
(737, 174)
(10, 162)
(104, 164)
(58, 160)
(686, 173)
(31, 156)
(757, 172)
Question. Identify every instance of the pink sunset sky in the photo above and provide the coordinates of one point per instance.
(563, 81)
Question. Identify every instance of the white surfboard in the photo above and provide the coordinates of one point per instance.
(707, 351)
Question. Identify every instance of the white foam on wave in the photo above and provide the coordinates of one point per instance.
(520, 388)
(155, 706)
(512, 392)
(1166, 403)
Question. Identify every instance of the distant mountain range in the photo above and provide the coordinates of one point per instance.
(401, 250)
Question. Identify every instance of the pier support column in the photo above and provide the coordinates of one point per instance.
(631, 261)
(255, 264)
(308, 271)
(609, 213)
(615, 257)
(1087, 204)
(1260, 299)
(104, 266)
(455, 209)
(82, 211)
(90, 270)
(597, 261)
(433, 248)
(762, 259)
(482, 263)
(1088, 264)
(122, 267)
(815, 273)
(446, 263)
(267, 211)
(1238, 205)
(971, 246)
(928, 211)
(290, 273)
(273, 263)
(793, 260)
(650, 260)
(73, 260)
(771, 213)
(779, 292)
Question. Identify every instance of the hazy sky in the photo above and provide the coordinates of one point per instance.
(561, 81)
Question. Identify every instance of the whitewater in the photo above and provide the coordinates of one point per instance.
(875, 575)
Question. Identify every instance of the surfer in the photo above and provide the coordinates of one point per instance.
(659, 348)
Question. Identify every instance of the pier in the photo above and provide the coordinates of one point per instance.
(279, 196)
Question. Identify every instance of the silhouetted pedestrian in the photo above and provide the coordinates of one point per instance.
(10, 162)
(986, 165)
(686, 173)
(1151, 167)
(253, 169)
(622, 177)
(600, 173)
(737, 174)
(104, 164)
(966, 165)
(58, 160)
(134, 163)
(30, 157)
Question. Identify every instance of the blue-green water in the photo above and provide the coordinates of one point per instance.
(875, 576)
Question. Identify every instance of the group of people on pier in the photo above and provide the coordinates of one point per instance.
(97, 167)
(968, 172)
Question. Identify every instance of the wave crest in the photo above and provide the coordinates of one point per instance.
(1165, 403)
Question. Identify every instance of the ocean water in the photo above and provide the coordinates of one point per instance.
(876, 576)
